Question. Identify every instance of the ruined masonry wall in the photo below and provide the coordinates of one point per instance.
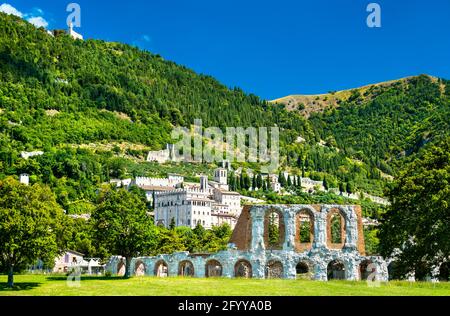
(248, 243)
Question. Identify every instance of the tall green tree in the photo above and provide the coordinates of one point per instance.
(31, 226)
(259, 181)
(418, 219)
(122, 225)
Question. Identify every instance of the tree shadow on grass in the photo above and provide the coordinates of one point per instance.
(85, 278)
(20, 286)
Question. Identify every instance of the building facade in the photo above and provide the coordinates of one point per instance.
(208, 203)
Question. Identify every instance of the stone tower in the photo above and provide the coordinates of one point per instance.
(221, 175)
(203, 182)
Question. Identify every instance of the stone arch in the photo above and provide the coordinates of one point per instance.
(274, 269)
(274, 229)
(161, 269)
(304, 230)
(243, 269)
(366, 268)
(336, 229)
(186, 268)
(303, 270)
(444, 272)
(213, 268)
(336, 270)
(139, 268)
(121, 268)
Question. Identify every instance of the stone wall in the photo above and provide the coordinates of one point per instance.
(249, 245)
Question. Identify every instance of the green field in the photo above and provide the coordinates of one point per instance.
(41, 285)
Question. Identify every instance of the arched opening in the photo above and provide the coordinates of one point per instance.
(366, 268)
(393, 271)
(186, 268)
(421, 272)
(274, 229)
(304, 230)
(139, 268)
(213, 269)
(336, 270)
(243, 269)
(444, 272)
(161, 269)
(274, 270)
(336, 229)
(303, 271)
(121, 268)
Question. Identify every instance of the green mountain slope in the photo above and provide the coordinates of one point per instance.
(57, 94)
(39, 72)
(387, 123)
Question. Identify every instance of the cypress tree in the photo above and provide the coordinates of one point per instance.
(259, 181)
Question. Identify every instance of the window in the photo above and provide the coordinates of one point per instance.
(304, 230)
(336, 229)
(274, 229)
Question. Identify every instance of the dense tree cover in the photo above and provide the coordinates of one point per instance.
(122, 226)
(418, 221)
(31, 226)
(89, 82)
(388, 122)
(56, 92)
(79, 78)
(75, 174)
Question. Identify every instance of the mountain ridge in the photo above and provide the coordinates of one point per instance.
(307, 104)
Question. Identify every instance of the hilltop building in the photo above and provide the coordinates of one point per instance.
(30, 154)
(74, 34)
(209, 203)
(162, 156)
(153, 185)
(25, 179)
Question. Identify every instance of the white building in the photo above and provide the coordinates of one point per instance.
(276, 186)
(125, 183)
(310, 184)
(228, 198)
(152, 185)
(186, 207)
(25, 179)
(26, 154)
(162, 156)
(221, 178)
(208, 203)
(173, 180)
(67, 260)
(74, 34)
(73, 260)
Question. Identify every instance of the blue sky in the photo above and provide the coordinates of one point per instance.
(272, 48)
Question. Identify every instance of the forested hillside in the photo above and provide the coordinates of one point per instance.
(57, 93)
(394, 123)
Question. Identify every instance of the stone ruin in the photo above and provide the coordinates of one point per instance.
(319, 242)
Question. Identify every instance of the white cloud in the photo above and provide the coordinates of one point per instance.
(147, 38)
(38, 21)
(32, 17)
(9, 9)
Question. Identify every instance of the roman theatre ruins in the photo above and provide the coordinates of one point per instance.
(320, 242)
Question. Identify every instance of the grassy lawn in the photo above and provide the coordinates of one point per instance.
(92, 286)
